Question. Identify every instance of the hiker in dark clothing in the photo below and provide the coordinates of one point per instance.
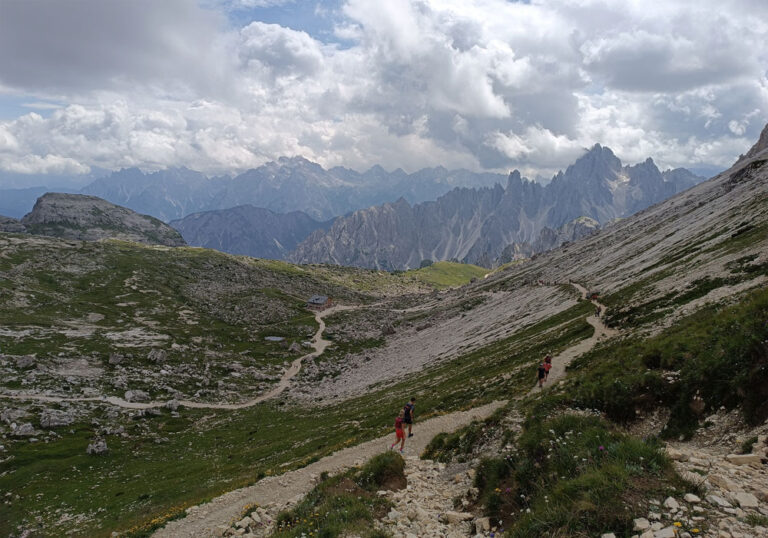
(542, 374)
(409, 409)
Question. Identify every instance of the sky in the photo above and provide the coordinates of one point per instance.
(221, 86)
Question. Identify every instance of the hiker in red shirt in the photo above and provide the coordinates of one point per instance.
(547, 366)
(399, 432)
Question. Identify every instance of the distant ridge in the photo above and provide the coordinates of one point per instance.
(88, 218)
(248, 230)
(490, 226)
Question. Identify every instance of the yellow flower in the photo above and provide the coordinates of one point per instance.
(695, 531)
(677, 524)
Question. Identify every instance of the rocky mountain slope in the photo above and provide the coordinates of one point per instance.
(492, 225)
(684, 283)
(88, 218)
(248, 230)
(283, 186)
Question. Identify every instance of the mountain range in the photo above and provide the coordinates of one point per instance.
(248, 230)
(282, 186)
(488, 226)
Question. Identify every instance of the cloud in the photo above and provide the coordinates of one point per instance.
(92, 44)
(475, 83)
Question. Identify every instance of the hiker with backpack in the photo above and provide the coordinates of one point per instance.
(409, 409)
(399, 432)
(547, 366)
(541, 374)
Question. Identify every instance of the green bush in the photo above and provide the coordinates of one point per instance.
(345, 504)
(382, 470)
(718, 355)
(573, 476)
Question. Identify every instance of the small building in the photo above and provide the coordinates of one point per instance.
(319, 302)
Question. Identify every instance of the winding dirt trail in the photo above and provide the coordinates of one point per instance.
(203, 520)
(561, 362)
(318, 343)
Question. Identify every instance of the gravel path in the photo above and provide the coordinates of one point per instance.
(561, 362)
(203, 521)
(318, 343)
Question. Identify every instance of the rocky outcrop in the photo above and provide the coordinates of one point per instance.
(248, 230)
(489, 226)
(87, 218)
(7, 224)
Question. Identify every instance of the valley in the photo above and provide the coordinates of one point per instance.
(207, 341)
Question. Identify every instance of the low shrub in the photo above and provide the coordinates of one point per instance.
(573, 476)
(715, 357)
(346, 504)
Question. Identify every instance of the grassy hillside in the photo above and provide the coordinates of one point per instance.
(447, 274)
(118, 298)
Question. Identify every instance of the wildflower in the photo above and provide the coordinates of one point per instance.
(677, 524)
(601, 448)
(695, 531)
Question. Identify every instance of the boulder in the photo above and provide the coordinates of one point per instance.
(294, 348)
(745, 500)
(99, 446)
(641, 524)
(722, 482)
(244, 523)
(157, 355)
(457, 517)
(25, 361)
(691, 498)
(25, 430)
(743, 459)
(666, 532)
(671, 503)
(53, 418)
(719, 501)
(675, 454)
(116, 358)
(483, 524)
(136, 396)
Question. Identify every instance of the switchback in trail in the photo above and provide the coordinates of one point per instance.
(318, 343)
(561, 361)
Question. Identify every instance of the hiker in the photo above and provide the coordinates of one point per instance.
(399, 432)
(542, 374)
(409, 408)
(547, 366)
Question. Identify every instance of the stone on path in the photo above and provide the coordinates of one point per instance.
(691, 498)
(458, 517)
(641, 524)
(745, 500)
(743, 459)
(666, 532)
(671, 503)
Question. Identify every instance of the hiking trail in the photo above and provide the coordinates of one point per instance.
(318, 343)
(561, 361)
(204, 520)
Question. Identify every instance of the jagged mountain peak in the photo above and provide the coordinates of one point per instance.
(761, 144)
